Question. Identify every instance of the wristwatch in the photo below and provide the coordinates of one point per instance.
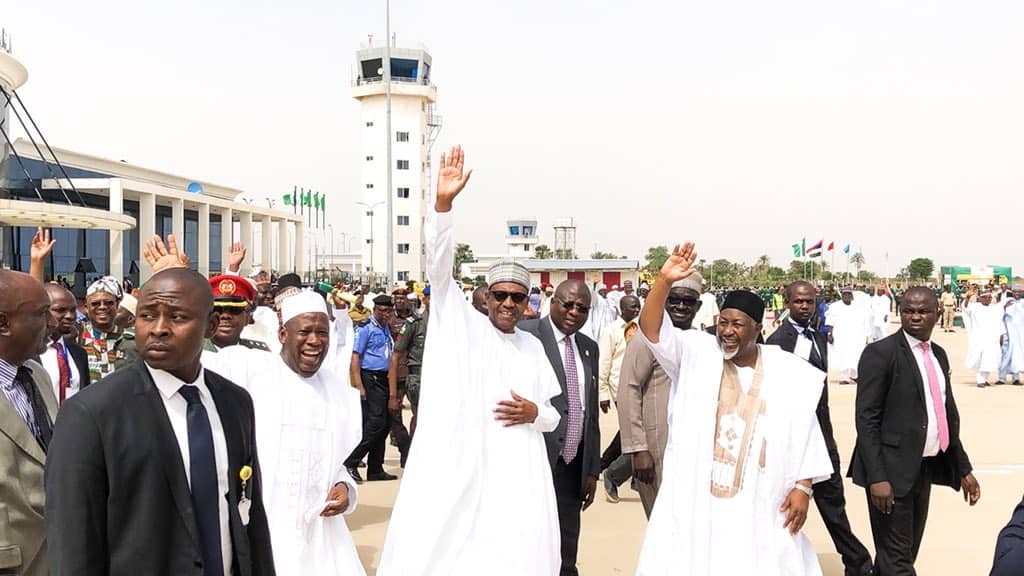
(805, 489)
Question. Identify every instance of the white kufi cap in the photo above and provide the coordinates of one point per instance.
(304, 302)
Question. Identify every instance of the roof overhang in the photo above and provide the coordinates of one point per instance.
(25, 213)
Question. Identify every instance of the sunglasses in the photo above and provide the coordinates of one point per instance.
(232, 310)
(501, 296)
(673, 301)
(570, 305)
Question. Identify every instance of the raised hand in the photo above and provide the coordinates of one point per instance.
(680, 263)
(450, 178)
(162, 257)
(42, 245)
(235, 256)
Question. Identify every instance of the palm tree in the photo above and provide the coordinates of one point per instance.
(858, 261)
(762, 266)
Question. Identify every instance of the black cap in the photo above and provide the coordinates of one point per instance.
(383, 300)
(746, 302)
(290, 279)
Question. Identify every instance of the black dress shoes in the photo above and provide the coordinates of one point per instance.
(354, 473)
(379, 476)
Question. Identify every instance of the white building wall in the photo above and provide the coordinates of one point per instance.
(407, 115)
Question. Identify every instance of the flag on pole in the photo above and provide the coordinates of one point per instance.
(316, 200)
(847, 249)
(287, 199)
(798, 249)
(831, 245)
(323, 204)
(815, 249)
(307, 198)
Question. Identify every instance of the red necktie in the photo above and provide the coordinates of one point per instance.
(933, 386)
(62, 367)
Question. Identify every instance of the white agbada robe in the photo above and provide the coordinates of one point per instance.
(694, 533)
(491, 510)
(305, 429)
(880, 306)
(851, 327)
(1014, 320)
(264, 328)
(983, 349)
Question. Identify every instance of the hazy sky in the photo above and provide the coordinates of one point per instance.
(893, 125)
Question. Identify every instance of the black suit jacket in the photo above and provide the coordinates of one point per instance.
(892, 420)
(81, 360)
(590, 447)
(1009, 559)
(117, 499)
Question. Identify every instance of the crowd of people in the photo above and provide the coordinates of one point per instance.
(218, 425)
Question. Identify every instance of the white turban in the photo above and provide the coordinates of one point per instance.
(107, 284)
(601, 286)
(304, 302)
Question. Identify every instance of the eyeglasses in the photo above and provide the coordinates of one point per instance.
(501, 296)
(674, 301)
(570, 305)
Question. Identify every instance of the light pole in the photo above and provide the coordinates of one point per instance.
(387, 101)
(331, 230)
(369, 212)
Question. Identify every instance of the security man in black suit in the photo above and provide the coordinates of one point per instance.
(797, 335)
(154, 470)
(575, 456)
(908, 433)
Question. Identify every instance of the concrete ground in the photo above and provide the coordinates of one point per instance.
(959, 539)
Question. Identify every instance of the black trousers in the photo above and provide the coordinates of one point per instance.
(612, 452)
(376, 423)
(399, 433)
(568, 494)
(898, 535)
(830, 499)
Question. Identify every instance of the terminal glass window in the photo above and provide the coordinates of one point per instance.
(403, 275)
(402, 136)
(513, 230)
(403, 192)
(403, 220)
(403, 248)
(403, 164)
(527, 230)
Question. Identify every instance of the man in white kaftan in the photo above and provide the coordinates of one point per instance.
(485, 403)
(984, 338)
(880, 307)
(744, 445)
(849, 330)
(1013, 318)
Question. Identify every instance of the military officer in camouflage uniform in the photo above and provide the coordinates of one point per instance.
(409, 350)
(233, 298)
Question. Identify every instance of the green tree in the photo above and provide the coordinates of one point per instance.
(542, 252)
(796, 270)
(656, 257)
(604, 256)
(463, 254)
(921, 268)
(857, 259)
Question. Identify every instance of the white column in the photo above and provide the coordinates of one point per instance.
(267, 252)
(147, 228)
(227, 226)
(204, 239)
(283, 265)
(245, 237)
(116, 241)
(178, 221)
(300, 255)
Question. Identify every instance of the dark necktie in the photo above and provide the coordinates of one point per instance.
(203, 472)
(574, 427)
(815, 357)
(42, 428)
(63, 369)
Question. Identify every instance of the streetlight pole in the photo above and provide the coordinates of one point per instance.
(331, 230)
(369, 212)
(387, 100)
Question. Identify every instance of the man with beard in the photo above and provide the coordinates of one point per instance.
(643, 397)
(797, 335)
(232, 299)
(486, 402)
(154, 470)
(744, 443)
(26, 409)
(64, 360)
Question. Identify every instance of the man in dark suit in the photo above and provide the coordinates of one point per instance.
(1009, 559)
(26, 407)
(64, 360)
(797, 335)
(154, 469)
(573, 447)
(908, 433)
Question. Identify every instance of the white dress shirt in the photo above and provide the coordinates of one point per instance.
(561, 339)
(49, 361)
(931, 439)
(177, 413)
